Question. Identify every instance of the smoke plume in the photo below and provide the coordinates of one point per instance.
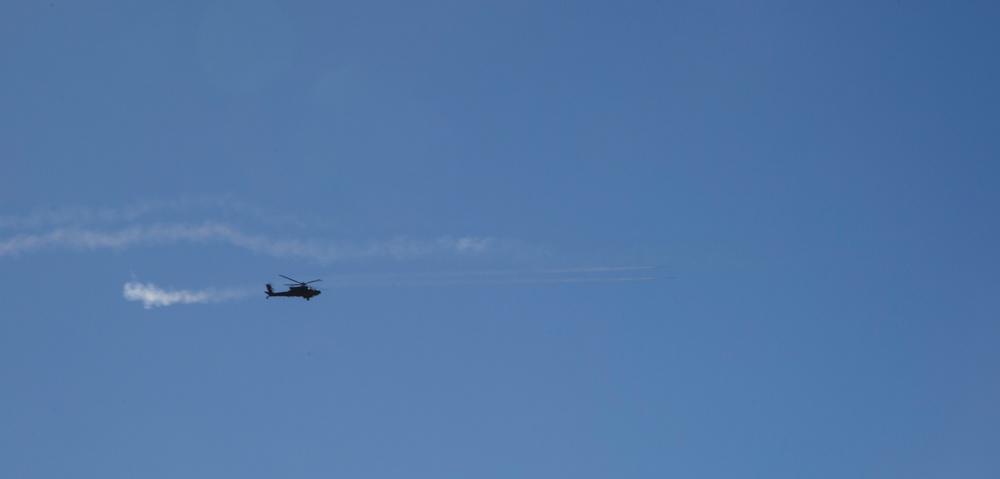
(152, 295)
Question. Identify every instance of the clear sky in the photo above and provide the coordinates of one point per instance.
(487, 190)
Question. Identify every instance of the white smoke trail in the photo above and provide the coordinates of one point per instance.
(152, 295)
(81, 215)
(323, 251)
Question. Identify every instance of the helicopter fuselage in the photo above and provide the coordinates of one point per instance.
(294, 291)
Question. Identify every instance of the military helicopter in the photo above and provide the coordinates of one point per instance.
(296, 289)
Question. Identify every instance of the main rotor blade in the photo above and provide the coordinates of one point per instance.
(290, 279)
(313, 281)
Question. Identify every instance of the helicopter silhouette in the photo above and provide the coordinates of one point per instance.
(297, 289)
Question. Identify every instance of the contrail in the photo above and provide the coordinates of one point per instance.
(486, 277)
(603, 269)
(152, 295)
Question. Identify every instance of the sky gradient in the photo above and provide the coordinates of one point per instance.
(557, 239)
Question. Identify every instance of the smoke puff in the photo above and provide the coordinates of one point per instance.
(152, 295)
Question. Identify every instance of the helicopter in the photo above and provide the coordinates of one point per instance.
(296, 289)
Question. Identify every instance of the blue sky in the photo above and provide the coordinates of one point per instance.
(654, 239)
